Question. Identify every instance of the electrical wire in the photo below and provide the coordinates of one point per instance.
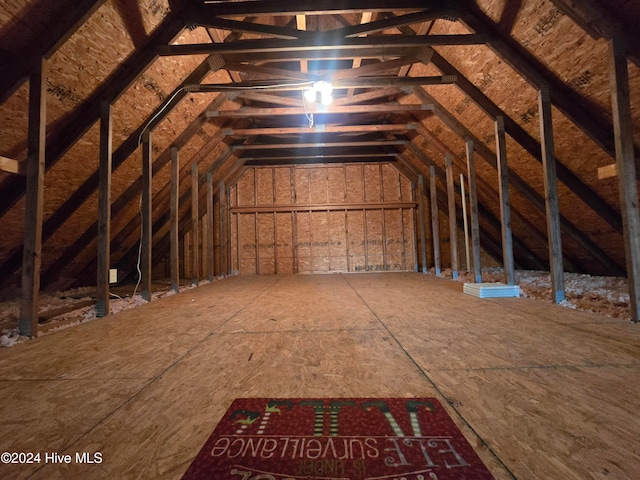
(159, 112)
(139, 254)
(308, 115)
(190, 88)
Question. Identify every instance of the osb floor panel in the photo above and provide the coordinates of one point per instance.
(539, 391)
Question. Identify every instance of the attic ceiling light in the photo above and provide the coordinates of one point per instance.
(320, 92)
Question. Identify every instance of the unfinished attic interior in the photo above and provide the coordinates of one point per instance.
(249, 147)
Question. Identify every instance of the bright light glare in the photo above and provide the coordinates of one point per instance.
(320, 92)
(310, 95)
(326, 98)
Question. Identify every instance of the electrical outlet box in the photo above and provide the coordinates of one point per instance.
(113, 275)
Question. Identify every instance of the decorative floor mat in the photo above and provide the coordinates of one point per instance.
(337, 439)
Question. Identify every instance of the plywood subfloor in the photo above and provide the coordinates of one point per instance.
(540, 391)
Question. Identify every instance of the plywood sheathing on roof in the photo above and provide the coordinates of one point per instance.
(581, 62)
(17, 19)
(518, 99)
(576, 57)
(14, 118)
(75, 70)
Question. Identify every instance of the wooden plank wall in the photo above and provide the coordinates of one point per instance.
(322, 218)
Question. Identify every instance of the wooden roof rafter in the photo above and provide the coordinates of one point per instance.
(531, 145)
(534, 262)
(123, 200)
(600, 22)
(485, 190)
(70, 128)
(572, 104)
(120, 155)
(58, 31)
(521, 185)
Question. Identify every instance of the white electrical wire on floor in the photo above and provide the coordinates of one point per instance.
(139, 253)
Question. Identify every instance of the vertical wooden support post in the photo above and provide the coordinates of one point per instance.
(175, 198)
(195, 216)
(453, 230)
(551, 195)
(423, 233)
(209, 234)
(435, 221)
(414, 229)
(34, 199)
(217, 203)
(146, 226)
(222, 193)
(294, 221)
(505, 204)
(465, 223)
(227, 217)
(473, 203)
(104, 211)
(625, 162)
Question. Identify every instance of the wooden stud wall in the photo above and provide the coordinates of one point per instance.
(320, 219)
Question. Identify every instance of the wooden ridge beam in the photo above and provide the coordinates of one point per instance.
(267, 98)
(272, 71)
(294, 155)
(310, 136)
(326, 152)
(373, 68)
(375, 94)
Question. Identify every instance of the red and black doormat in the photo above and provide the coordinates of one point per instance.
(337, 439)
